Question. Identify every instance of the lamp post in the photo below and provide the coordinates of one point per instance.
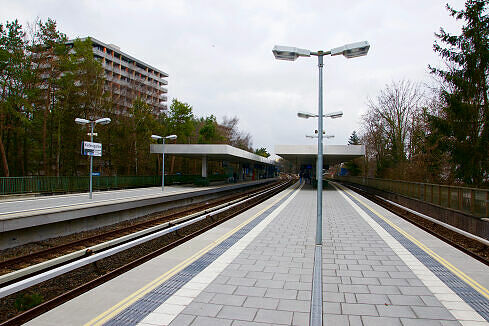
(156, 137)
(292, 53)
(101, 121)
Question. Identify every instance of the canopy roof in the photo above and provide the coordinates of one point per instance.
(307, 154)
(211, 151)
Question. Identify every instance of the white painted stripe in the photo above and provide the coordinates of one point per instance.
(198, 283)
(464, 313)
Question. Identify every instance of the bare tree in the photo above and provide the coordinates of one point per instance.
(391, 122)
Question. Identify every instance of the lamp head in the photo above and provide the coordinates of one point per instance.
(171, 137)
(81, 121)
(334, 115)
(156, 137)
(103, 121)
(305, 115)
(352, 50)
(289, 53)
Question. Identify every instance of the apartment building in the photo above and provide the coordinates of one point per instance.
(127, 78)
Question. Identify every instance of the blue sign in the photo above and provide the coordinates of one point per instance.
(96, 174)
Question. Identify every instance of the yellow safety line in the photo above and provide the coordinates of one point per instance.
(126, 302)
(476, 286)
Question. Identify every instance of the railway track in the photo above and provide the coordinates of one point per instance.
(61, 282)
(472, 245)
(22, 261)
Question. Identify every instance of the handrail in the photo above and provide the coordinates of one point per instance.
(472, 201)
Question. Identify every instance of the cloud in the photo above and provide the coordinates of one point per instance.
(218, 53)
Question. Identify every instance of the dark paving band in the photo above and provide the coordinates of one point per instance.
(473, 298)
(153, 299)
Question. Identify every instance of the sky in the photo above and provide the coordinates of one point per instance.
(218, 54)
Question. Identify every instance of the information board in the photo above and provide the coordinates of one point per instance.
(91, 149)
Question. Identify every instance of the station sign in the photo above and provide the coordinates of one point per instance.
(91, 149)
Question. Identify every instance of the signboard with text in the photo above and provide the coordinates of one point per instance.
(91, 149)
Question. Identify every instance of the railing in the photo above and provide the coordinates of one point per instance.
(21, 185)
(473, 201)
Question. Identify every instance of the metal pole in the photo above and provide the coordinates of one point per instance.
(319, 169)
(163, 168)
(92, 124)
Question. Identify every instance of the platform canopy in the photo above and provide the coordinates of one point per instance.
(213, 152)
(307, 154)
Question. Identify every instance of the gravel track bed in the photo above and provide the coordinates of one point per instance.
(59, 285)
(470, 246)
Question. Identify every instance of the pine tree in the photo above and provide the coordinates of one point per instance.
(461, 127)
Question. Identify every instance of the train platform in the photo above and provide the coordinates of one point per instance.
(39, 218)
(257, 269)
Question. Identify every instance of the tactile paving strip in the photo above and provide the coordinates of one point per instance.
(473, 298)
(152, 300)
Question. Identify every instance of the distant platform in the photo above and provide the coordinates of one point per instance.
(307, 154)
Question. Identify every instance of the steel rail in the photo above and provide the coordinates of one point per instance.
(51, 273)
(58, 300)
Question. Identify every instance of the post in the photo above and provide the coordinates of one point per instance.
(92, 124)
(163, 167)
(319, 168)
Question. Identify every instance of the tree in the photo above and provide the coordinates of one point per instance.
(389, 125)
(15, 75)
(208, 132)
(234, 136)
(354, 139)
(262, 151)
(460, 127)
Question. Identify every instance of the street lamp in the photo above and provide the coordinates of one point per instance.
(156, 137)
(352, 50)
(102, 121)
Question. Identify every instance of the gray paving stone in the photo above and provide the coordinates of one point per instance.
(336, 320)
(241, 281)
(202, 309)
(365, 280)
(359, 309)
(294, 305)
(220, 288)
(239, 313)
(395, 311)
(350, 298)
(247, 323)
(383, 289)
(209, 321)
(274, 316)
(260, 275)
(408, 300)
(372, 298)
(431, 301)
(204, 297)
(182, 320)
(333, 296)
(353, 288)
(426, 322)
(332, 308)
(384, 321)
(228, 299)
(286, 277)
(414, 290)
(432, 313)
(355, 320)
(300, 319)
(304, 295)
(281, 293)
(250, 291)
(259, 302)
(271, 284)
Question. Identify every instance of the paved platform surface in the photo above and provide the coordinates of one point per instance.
(256, 269)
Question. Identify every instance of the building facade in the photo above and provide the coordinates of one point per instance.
(127, 78)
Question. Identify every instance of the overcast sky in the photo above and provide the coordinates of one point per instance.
(219, 53)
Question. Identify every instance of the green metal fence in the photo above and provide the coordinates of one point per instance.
(473, 201)
(20, 185)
